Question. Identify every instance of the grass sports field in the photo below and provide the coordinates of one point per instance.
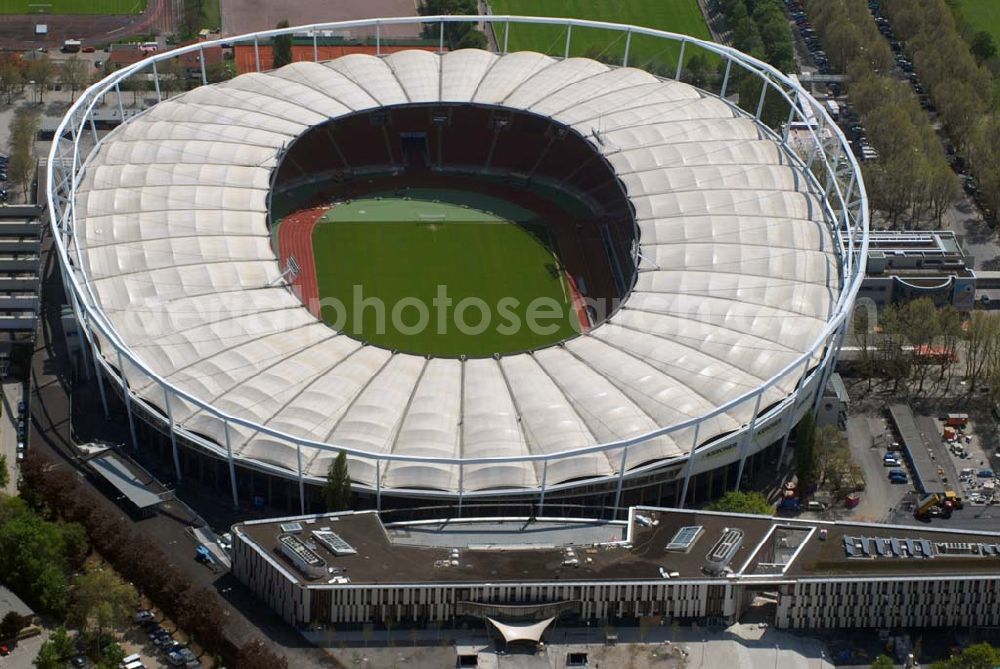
(401, 251)
(680, 16)
(983, 15)
(73, 7)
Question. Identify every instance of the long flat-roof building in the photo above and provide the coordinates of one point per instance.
(905, 265)
(690, 566)
(20, 263)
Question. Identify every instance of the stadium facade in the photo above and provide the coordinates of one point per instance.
(735, 289)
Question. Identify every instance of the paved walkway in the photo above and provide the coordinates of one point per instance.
(744, 646)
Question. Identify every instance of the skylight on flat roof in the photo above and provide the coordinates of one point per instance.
(684, 538)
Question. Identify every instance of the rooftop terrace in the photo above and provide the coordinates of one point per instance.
(485, 550)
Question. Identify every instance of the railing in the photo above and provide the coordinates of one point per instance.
(830, 167)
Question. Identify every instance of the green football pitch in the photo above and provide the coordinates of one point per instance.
(442, 273)
(679, 16)
(73, 7)
(982, 15)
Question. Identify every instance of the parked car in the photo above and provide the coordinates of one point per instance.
(181, 657)
(143, 616)
(898, 476)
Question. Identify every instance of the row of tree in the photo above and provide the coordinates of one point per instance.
(17, 72)
(194, 608)
(456, 35)
(760, 29)
(911, 178)
(916, 342)
(822, 458)
(962, 88)
(37, 556)
(21, 169)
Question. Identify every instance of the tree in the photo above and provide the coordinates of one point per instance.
(806, 463)
(101, 601)
(453, 32)
(920, 325)
(172, 77)
(338, 484)
(282, 47)
(837, 468)
(41, 70)
(883, 662)
(942, 189)
(863, 323)
(983, 47)
(981, 335)
(136, 85)
(48, 657)
(73, 73)
(32, 559)
(979, 656)
(53, 653)
(11, 625)
(697, 70)
(11, 78)
(4, 472)
(473, 39)
(21, 169)
(735, 501)
(256, 654)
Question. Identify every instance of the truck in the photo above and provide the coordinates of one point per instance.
(959, 420)
(834, 108)
(71, 46)
(925, 505)
(937, 504)
(952, 498)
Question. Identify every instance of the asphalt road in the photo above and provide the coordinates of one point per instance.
(863, 430)
(55, 397)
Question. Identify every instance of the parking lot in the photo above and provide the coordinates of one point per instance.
(12, 430)
(961, 463)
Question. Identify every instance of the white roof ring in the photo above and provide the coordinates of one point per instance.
(173, 269)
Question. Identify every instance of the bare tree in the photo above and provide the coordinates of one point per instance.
(73, 73)
(41, 71)
(11, 79)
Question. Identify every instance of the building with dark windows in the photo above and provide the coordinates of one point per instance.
(673, 565)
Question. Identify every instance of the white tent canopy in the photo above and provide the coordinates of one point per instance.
(521, 632)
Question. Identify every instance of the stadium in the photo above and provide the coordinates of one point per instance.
(671, 276)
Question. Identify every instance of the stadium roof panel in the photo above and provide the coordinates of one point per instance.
(741, 278)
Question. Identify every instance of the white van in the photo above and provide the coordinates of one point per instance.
(135, 665)
(130, 660)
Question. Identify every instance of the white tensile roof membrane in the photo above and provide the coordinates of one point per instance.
(739, 276)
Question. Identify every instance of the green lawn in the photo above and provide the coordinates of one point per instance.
(983, 15)
(679, 16)
(72, 7)
(398, 250)
(211, 14)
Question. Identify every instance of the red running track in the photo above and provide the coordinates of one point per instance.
(578, 304)
(295, 238)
